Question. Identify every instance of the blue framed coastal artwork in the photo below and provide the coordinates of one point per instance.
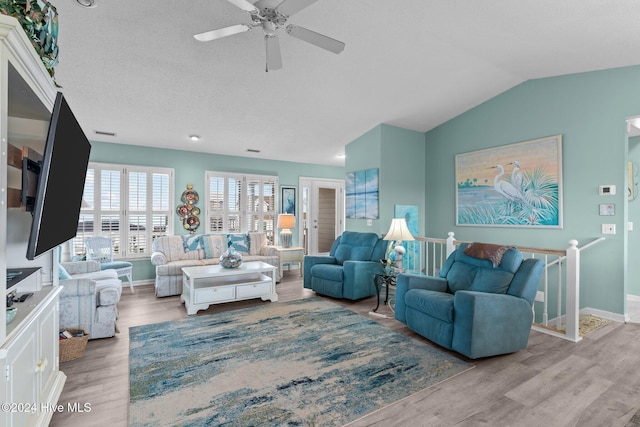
(516, 185)
(288, 200)
(361, 198)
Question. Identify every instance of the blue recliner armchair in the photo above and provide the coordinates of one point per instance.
(349, 269)
(472, 308)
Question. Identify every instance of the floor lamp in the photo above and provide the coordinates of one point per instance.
(399, 232)
(286, 222)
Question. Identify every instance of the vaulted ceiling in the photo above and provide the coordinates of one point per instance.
(134, 68)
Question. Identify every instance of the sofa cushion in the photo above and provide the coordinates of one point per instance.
(432, 303)
(355, 246)
(493, 281)
(175, 267)
(331, 272)
(460, 277)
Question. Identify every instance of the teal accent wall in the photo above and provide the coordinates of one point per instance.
(190, 167)
(589, 110)
(402, 173)
(399, 155)
(364, 153)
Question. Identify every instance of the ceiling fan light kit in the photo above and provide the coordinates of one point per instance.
(90, 4)
(272, 15)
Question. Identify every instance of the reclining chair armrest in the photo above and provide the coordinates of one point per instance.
(498, 323)
(108, 295)
(358, 278)
(407, 281)
(158, 258)
(79, 267)
(310, 261)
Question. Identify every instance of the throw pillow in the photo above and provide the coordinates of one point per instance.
(240, 243)
(191, 242)
(63, 274)
(214, 245)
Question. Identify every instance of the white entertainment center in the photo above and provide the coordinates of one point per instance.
(30, 378)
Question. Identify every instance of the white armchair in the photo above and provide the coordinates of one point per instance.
(89, 298)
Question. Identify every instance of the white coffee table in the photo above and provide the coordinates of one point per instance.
(212, 284)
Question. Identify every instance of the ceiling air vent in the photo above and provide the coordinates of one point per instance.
(101, 132)
(252, 150)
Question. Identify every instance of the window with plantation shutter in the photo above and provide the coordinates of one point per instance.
(129, 204)
(239, 203)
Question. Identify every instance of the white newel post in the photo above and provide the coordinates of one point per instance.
(573, 292)
(450, 245)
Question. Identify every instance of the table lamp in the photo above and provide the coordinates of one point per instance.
(286, 222)
(399, 232)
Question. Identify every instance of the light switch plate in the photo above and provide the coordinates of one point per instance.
(607, 190)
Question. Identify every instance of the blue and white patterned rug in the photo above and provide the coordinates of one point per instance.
(307, 362)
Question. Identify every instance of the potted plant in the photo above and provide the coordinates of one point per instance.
(39, 19)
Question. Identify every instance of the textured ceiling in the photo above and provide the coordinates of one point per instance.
(133, 67)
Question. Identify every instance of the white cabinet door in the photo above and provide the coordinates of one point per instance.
(23, 383)
(48, 351)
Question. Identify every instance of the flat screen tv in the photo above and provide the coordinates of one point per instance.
(60, 182)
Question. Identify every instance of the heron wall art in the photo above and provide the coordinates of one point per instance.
(517, 185)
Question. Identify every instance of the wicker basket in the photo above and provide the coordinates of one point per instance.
(73, 348)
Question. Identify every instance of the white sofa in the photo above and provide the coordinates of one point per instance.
(89, 298)
(171, 253)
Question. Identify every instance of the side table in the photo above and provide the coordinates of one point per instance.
(289, 256)
(380, 280)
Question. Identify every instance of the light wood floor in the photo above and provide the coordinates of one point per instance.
(551, 383)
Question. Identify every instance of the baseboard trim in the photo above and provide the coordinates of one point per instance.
(141, 282)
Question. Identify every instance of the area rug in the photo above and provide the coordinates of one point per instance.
(308, 362)
(589, 323)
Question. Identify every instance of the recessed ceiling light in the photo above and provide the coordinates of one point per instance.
(194, 138)
(87, 3)
(341, 156)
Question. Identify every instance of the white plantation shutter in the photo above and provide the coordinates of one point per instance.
(241, 203)
(129, 204)
(161, 191)
(85, 221)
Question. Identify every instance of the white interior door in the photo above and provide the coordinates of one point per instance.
(323, 213)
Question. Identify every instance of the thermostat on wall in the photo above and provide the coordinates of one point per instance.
(607, 190)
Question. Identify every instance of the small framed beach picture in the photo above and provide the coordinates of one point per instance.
(288, 200)
(516, 185)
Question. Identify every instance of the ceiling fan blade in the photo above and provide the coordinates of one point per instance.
(244, 5)
(274, 58)
(289, 7)
(222, 32)
(314, 38)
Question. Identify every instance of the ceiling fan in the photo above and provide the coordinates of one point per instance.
(272, 15)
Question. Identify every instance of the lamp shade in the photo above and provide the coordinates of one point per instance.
(286, 221)
(398, 231)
